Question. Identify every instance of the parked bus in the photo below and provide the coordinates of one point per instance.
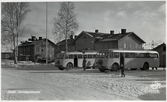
(74, 59)
(133, 59)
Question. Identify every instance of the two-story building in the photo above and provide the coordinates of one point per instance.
(124, 40)
(30, 50)
(96, 40)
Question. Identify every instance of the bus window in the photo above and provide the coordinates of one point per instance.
(126, 55)
(89, 56)
(79, 56)
(116, 55)
(66, 56)
(137, 55)
(70, 56)
(75, 56)
(131, 55)
(153, 55)
(106, 55)
(94, 56)
(111, 55)
(85, 56)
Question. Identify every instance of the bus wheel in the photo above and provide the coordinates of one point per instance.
(115, 67)
(101, 69)
(69, 65)
(146, 66)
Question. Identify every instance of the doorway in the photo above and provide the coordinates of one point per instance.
(75, 61)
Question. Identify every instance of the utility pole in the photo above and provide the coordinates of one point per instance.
(46, 35)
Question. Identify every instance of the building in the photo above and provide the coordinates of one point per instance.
(61, 46)
(34, 49)
(6, 55)
(97, 40)
(161, 49)
(124, 40)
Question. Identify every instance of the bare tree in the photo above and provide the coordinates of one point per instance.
(13, 14)
(66, 23)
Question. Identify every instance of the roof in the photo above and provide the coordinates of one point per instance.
(161, 45)
(132, 51)
(115, 37)
(63, 42)
(93, 34)
(32, 43)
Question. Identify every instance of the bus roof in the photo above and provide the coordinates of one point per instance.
(92, 52)
(136, 51)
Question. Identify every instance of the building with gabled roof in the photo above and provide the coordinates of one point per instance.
(96, 40)
(33, 48)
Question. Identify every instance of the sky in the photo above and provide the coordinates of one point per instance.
(147, 19)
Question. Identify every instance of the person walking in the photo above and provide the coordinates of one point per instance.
(84, 64)
(122, 65)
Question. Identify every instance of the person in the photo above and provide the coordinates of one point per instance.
(122, 65)
(84, 63)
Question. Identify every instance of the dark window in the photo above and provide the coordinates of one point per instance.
(164, 48)
(85, 56)
(94, 56)
(66, 56)
(79, 56)
(116, 55)
(111, 55)
(70, 56)
(89, 56)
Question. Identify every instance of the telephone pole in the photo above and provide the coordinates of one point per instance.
(46, 36)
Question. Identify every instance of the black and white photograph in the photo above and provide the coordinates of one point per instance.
(83, 50)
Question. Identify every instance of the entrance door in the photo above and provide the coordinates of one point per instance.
(75, 61)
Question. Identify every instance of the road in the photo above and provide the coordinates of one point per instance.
(76, 84)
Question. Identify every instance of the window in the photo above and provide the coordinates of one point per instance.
(111, 55)
(116, 55)
(164, 48)
(130, 46)
(70, 56)
(66, 56)
(129, 55)
(124, 45)
(94, 56)
(79, 56)
(89, 56)
(85, 56)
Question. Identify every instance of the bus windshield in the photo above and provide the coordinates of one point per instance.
(60, 56)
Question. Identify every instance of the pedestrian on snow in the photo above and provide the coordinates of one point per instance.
(84, 63)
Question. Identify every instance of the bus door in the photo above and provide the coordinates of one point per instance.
(75, 61)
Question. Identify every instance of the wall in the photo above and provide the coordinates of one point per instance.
(106, 45)
(130, 42)
(85, 41)
(41, 50)
(162, 55)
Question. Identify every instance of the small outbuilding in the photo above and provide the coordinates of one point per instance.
(161, 49)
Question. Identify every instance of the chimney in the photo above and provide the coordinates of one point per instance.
(96, 31)
(33, 38)
(75, 36)
(40, 38)
(111, 32)
(71, 37)
(123, 31)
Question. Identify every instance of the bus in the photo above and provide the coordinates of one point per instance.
(74, 59)
(109, 59)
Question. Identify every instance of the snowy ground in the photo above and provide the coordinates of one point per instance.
(76, 84)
